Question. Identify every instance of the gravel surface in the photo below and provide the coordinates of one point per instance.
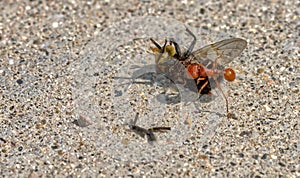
(74, 75)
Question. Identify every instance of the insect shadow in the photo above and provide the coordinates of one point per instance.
(146, 75)
(171, 92)
(149, 133)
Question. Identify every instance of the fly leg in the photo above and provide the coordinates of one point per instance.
(158, 47)
(155, 43)
(177, 49)
(192, 45)
(183, 57)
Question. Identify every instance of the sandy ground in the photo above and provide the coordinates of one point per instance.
(68, 101)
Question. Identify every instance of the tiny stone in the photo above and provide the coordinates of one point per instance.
(273, 156)
(260, 70)
(268, 109)
(255, 156)
(54, 147)
(232, 163)
(264, 156)
(11, 62)
(19, 81)
(20, 148)
(245, 133)
(60, 152)
(188, 121)
(55, 24)
(241, 155)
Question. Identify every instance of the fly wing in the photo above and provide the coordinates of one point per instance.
(225, 51)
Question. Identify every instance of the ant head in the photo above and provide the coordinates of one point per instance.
(229, 74)
(194, 70)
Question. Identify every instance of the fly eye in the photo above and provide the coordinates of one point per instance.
(229, 74)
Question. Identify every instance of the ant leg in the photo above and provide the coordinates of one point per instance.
(192, 45)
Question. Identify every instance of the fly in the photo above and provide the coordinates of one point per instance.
(219, 54)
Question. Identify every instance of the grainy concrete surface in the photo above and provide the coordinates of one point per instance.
(66, 107)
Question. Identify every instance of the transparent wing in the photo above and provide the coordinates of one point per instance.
(225, 50)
